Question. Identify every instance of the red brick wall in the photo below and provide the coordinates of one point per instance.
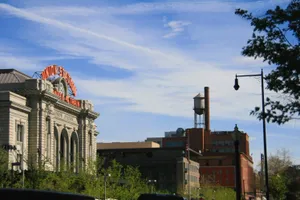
(247, 175)
(223, 175)
(196, 136)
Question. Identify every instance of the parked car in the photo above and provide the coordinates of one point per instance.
(160, 197)
(17, 194)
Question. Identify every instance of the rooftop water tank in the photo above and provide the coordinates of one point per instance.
(199, 104)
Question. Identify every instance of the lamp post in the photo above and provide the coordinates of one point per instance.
(236, 137)
(105, 178)
(236, 87)
(152, 185)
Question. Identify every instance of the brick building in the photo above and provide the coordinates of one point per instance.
(218, 161)
(42, 122)
(168, 166)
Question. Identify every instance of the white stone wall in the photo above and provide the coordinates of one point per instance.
(13, 112)
(41, 104)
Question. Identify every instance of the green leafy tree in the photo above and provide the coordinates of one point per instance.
(276, 39)
(210, 190)
(283, 177)
(4, 174)
(292, 175)
(217, 192)
(278, 187)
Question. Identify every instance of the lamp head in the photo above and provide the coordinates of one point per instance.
(236, 83)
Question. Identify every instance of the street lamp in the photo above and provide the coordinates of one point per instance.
(152, 185)
(236, 87)
(105, 178)
(236, 138)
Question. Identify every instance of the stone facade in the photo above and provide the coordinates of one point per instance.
(55, 133)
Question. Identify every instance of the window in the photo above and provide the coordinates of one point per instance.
(207, 163)
(48, 136)
(19, 132)
(220, 162)
(174, 144)
(90, 144)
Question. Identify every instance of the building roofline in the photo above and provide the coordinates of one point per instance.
(11, 70)
(141, 149)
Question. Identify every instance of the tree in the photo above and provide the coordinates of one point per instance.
(276, 39)
(283, 177)
(292, 175)
(278, 188)
(279, 162)
(4, 175)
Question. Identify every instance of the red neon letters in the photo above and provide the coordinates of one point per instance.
(55, 70)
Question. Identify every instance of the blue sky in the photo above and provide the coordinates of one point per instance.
(142, 62)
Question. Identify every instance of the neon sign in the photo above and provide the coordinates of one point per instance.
(53, 70)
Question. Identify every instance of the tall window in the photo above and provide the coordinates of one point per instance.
(48, 135)
(90, 144)
(19, 130)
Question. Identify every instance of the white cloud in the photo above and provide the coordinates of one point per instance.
(19, 62)
(155, 7)
(249, 61)
(252, 138)
(176, 28)
(165, 77)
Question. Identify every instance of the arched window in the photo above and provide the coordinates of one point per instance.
(64, 149)
(48, 137)
(56, 149)
(74, 151)
(90, 143)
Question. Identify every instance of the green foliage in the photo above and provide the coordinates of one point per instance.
(4, 174)
(217, 192)
(271, 40)
(124, 182)
(284, 178)
(292, 175)
(278, 188)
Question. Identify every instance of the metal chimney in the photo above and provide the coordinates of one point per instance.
(207, 108)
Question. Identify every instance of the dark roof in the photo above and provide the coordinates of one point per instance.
(12, 76)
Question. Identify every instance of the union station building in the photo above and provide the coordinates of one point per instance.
(42, 122)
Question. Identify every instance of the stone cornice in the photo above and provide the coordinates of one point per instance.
(90, 114)
(61, 104)
(15, 106)
(46, 95)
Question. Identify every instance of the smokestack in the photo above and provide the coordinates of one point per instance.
(207, 109)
